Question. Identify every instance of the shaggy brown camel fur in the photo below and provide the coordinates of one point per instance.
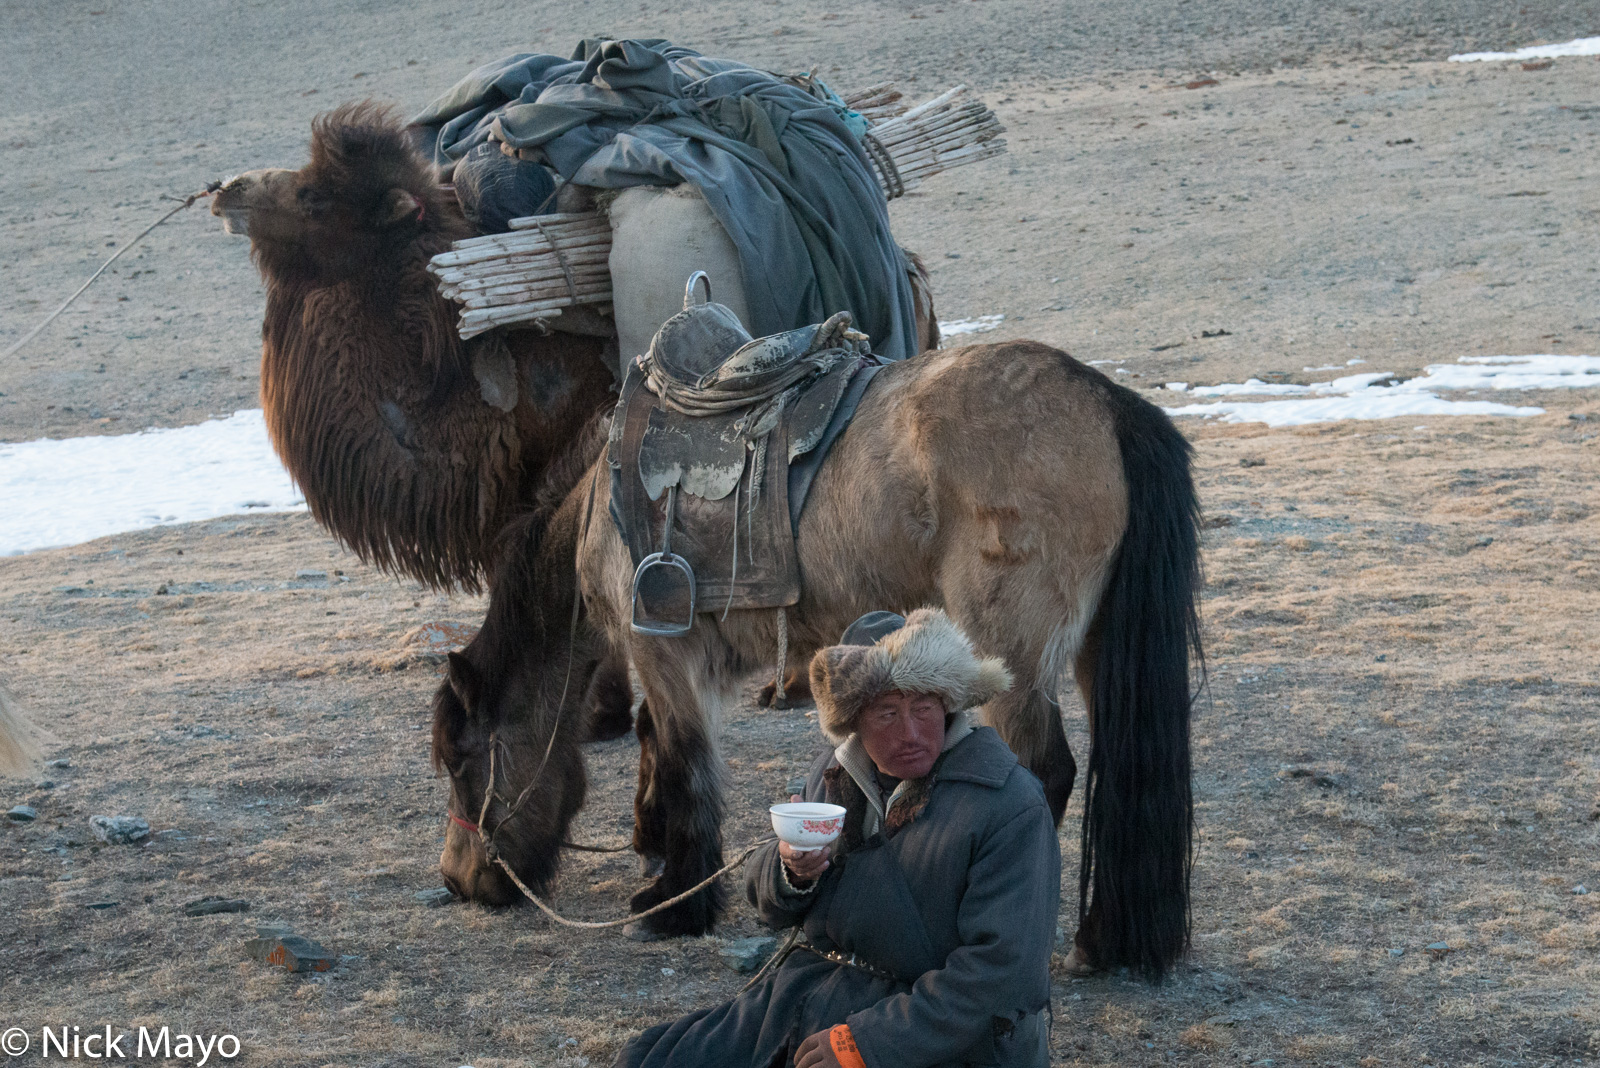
(413, 447)
(1051, 513)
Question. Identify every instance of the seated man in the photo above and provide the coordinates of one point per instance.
(927, 926)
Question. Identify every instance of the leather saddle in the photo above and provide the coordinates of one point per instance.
(714, 443)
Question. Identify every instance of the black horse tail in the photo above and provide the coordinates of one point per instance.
(1138, 822)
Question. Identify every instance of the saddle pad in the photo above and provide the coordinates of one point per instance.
(733, 520)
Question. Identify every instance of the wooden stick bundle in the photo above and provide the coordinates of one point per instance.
(550, 262)
(876, 103)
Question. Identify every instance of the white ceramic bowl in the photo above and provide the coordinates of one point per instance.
(807, 824)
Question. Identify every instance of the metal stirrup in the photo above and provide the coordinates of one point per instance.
(667, 560)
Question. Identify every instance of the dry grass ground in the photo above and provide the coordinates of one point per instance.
(1398, 745)
(1397, 748)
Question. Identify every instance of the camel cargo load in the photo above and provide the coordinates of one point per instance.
(718, 168)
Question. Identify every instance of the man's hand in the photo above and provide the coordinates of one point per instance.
(804, 865)
(816, 1052)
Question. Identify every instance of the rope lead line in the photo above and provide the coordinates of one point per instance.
(211, 187)
(667, 904)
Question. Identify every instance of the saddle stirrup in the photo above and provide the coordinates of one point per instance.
(663, 576)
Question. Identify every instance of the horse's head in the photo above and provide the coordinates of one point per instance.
(510, 716)
(366, 194)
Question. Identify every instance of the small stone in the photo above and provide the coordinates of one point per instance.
(310, 574)
(1578, 417)
(161, 590)
(212, 904)
(101, 906)
(434, 898)
(745, 955)
(22, 814)
(290, 952)
(45, 784)
(1437, 949)
(61, 763)
(1397, 952)
(1580, 890)
(668, 972)
(119, 830)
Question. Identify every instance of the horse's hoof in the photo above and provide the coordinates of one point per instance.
(639, 931)
(1078, 964)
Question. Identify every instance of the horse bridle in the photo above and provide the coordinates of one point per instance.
(490, 796)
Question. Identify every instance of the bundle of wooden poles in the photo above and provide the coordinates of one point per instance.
(550, 262)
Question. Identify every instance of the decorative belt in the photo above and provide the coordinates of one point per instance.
(853, 961)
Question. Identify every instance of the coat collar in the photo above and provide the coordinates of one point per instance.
(982, 758)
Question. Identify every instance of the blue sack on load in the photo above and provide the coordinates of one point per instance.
(495, 188)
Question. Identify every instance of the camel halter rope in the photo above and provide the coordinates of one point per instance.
(493, 854)
(211, 187)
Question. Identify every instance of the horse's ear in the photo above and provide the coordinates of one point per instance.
(465, 681)
(400, 206)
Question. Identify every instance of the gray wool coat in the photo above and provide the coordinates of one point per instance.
(958, 903)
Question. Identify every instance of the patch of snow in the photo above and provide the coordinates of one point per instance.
(1516, 372)
(1583, 46)
(979, 325)
(1256, 387)
(62, 492)
(1365, 396)
(1370, 403)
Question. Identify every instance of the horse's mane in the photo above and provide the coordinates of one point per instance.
(533, 590)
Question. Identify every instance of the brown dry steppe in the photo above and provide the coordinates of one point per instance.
(1397, 744)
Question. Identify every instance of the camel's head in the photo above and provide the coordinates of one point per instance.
(366, 195)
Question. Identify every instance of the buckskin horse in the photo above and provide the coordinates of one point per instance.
(1050, 511)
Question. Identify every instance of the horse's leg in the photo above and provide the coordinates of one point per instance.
(608, 706)
(1027, 716)
(796, 688)
(680, 803)
(1079, 962)
(649, 823)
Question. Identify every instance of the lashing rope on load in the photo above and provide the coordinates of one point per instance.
(888, 174)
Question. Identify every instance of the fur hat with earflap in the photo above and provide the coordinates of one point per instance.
(928, 654)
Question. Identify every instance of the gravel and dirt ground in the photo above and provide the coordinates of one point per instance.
(1398, 746)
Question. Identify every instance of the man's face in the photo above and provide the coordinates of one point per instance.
(903, 733)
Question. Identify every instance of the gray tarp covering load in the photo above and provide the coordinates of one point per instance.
(781, 169)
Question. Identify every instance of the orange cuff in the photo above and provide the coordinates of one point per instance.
(844, 1047)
